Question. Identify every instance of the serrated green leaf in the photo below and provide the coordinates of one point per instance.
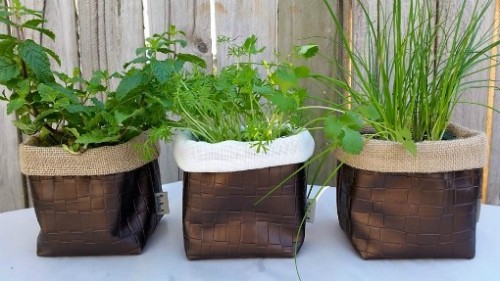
(161, 71)
(332, 127)
(22, 88)
(46, 113)
(47, 93)
(129, 83)
(9, 69)
(95, 138)
(193, 59)
(307, 51)
(14, 105)
(26, 126)
(7, 47)
(351, 121)
(33, 23)
(352, 142)
(138, 60)
(78, 108)
(53, 55)
(37, 60)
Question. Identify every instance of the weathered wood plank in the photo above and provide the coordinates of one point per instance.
(302, 23)
(12, 191)
(240, 19)
(493, 181)
(192, 17)
(472, 116)
(158, 16)
(110, 31)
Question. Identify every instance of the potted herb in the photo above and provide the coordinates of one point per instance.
(93, 189)
(242, 136)
(413, 191)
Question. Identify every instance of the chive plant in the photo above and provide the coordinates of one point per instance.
(408, 81)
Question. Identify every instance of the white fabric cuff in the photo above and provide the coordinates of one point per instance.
(232, 156)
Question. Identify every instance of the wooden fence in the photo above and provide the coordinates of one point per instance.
(93, 34)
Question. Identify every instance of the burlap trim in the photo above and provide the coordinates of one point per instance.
(106, 160)
(466, 152)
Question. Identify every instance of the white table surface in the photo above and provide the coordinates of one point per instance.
(326, 255)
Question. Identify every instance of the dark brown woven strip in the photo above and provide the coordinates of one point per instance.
(96, 215)
(221, 221)
(403, 215)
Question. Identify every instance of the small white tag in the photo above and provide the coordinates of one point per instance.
(311, 204)
(162, 207)
(311, 210)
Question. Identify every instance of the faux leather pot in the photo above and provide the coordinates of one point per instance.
(92, 209)
(393, 205)
(221, 219)
(409, 215)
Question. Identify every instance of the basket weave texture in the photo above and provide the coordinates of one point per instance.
(393, 205)
(220, 219)
(111, 213)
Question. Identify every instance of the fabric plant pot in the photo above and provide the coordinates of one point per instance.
(394, 205)
(100, 202)
(223, 182)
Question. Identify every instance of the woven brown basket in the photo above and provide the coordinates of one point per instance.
(221, 220)
(403, 215)
(409, 213)
(106, 214)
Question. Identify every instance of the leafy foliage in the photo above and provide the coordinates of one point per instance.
(412, 73)
(66, 110)
(237, 103)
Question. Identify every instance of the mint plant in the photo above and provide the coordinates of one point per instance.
(62, 109)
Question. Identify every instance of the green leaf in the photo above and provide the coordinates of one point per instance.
(193, 59)
(53, 55)
(307, 51)
(161, 71)
(9, 69)
(37, 60)
(14, 105)
(129, 83)
(282, 102)
(46, 113)
(263, 90)
(370, 112)
(332, 127)
(284, 78)
(47, 93)
(351, 120)
(78, 108)
(352, 142)
(302, 71)
(26, 126)
(7, 47)
(120, 117)
(96, 138)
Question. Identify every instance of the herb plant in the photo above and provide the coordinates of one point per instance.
(412, 74)
(63, 109)
(238, 104)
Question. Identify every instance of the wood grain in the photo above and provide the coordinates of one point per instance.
(472, 116)
(240, 19)
(493, 194)
(110, 32)
(301, 23)
(12, 190)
